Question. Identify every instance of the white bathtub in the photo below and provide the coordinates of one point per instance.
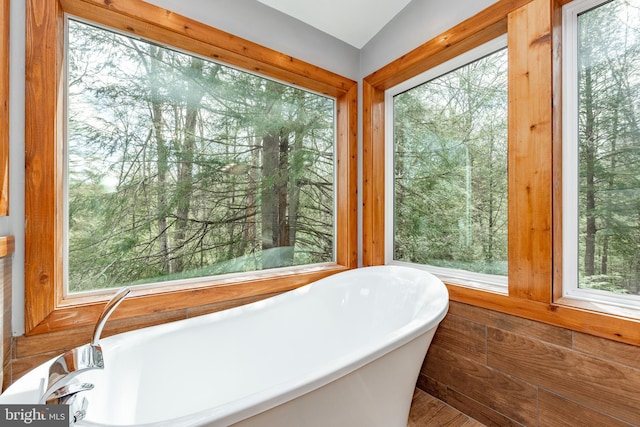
(343, 351)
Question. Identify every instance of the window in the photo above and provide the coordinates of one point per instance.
(447, 168)
(536, 171)
(180, 167)
(114, 104)
(601, 158)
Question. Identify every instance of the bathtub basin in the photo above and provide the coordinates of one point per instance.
(343, 351)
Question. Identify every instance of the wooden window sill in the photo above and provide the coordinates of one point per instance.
(7, 246)
(145, 301)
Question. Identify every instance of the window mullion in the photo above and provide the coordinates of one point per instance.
(530, 152)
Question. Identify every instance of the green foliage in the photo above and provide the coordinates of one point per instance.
(168, 170)
(609, 147)
(450, 169)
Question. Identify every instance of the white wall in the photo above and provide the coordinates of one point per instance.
(261, 24)
(420, 21)
(14, 223)
(417, 23)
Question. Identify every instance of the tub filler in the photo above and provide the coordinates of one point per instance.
(345, 350)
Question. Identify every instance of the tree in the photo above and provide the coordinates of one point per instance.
(609, 60)
(176, 162)
(450, 169)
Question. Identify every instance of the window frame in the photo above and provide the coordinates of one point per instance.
(485, 281)
(46, 307)
(570, 161)
(534, 31)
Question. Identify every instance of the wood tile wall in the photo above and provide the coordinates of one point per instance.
(507, 371)
(5, 319)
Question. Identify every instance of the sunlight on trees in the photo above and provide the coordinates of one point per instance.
(179, 167)
(609, 147)
(450, 154)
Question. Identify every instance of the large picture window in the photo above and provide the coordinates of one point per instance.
(204, 169)
(602, 151)
(447, 143)
(180, 167)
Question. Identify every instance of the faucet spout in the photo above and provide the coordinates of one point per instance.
(80, 359)
(106, 312)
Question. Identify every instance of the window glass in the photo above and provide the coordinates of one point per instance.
(450, 169)
(179, 167)
(608, 106)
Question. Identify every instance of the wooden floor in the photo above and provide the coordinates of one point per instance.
(426, 410)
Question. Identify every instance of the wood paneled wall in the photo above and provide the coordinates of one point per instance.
(504, 370)
(6, 250)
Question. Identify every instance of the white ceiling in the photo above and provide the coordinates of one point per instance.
(352, 21)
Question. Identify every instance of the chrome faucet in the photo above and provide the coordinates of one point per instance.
(61, 387)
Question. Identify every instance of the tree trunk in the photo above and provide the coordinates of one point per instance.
(185, 167)
(275, 226)
(589, 160)
(163, 160)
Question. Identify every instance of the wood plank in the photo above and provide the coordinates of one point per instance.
(463, 337)
(612, 351)
(19, 367)
(480, 28)
(7, 290)
(4, 105)
(426, 410)
(43, 182)
(542, 331)
(147, 301)
(603, 386)
(530, 152)
(508, 395)
(224, 305)
(432, 387)
(482, 414)
(7, 246)
(147, 20)
(347, 178)
(557, 411)
(373, 182)
(6, 376)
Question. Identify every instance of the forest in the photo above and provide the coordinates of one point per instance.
(450, 165)
(450, 169)
(609, 147)
(179, 167)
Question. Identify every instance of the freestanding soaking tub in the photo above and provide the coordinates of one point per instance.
(343, 351)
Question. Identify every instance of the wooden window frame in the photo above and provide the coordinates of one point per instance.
(535, 154)
(46, 309)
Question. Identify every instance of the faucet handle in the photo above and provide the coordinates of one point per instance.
(64, 394)
(70, 364)
(77, 409)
